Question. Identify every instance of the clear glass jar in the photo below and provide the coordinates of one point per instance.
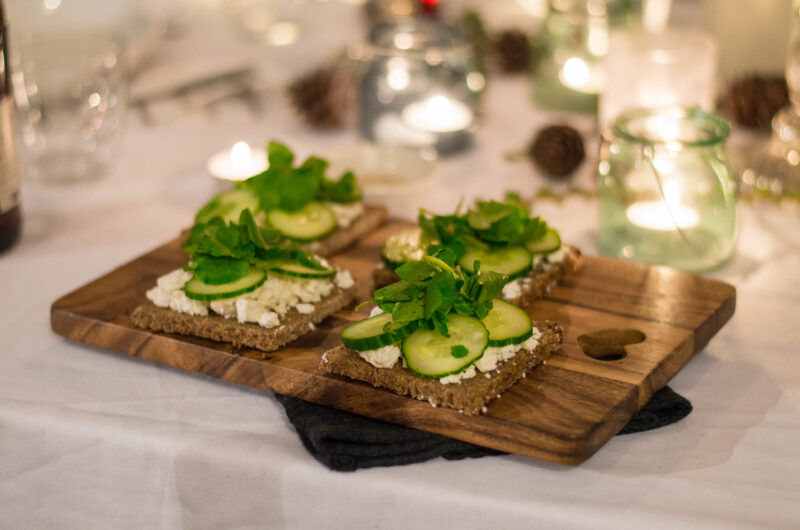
(573, 44)
(420, 86)
(667, 190)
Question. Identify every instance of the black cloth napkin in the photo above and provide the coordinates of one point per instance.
(345, 442)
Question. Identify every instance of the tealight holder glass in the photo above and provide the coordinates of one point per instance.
(574, 40)
(667, 190)
(420, 87)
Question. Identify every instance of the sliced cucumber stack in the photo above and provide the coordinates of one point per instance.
(312, 222)
(429, 354)
(228, 205)
(297, 270)
(197, 290)
(403, 246)
(513, 261)
(507, 324)
(369, 334)
(547, 244)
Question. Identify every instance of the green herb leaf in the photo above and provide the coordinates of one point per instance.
(415, 271)
(459, 351)
(504, 223)
(216, 271)
(215, 238)
(344, 191)
(440, 293)
(279, 155)
(287, 188)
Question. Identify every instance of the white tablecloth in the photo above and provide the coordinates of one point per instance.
(93, 439)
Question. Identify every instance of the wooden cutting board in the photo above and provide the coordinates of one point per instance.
(562, 412)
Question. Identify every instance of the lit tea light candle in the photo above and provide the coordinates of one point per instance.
(666, 214)
(438, 114)
(238, 163)
(579, 75)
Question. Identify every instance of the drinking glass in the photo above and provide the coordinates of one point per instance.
(70, 91)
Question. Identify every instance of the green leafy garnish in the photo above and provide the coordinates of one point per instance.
(505, 223)
(431, 288)
(284, 187)
(490, 224)
(221, 253)
(459, 351)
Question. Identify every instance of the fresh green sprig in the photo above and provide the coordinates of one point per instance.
(285, 187)
(489, 224)
(221, 253)
(431, 288)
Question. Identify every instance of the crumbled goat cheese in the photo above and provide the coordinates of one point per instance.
(456, 378)
(375, 311)
(264, 306)
(269, 320)
(346, 213)
(168, 292)
(384, 357)
(494, 356)
(557, 256)
(343, 279)
(225, 307)
(512, 289)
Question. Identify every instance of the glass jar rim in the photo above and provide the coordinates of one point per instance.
(715, 129)
(438, 38)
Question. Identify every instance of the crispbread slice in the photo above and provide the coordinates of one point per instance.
(535, 284)
(215, 327)
(469, 395)
(341, 238)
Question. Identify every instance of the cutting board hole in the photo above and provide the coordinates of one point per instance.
(609, 344)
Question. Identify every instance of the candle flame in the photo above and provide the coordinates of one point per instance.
(240, 156)
(575, 72)
(666, 214)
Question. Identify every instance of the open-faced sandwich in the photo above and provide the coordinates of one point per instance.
(502, 236)
(322, 215)
(441, 335)
(245, 285)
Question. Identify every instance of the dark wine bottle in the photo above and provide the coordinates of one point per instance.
(10, 212)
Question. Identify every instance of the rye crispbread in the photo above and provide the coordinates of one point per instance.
(215, 327)
(469, 395)
(341, 238)
(534, 285)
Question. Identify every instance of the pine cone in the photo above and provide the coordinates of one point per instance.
(752, 101)
(512, 50)
(557, 150)
(324, 97)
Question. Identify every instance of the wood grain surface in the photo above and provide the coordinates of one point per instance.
(562, 412)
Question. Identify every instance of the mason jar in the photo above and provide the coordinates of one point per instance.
(419, 87)
(667, 189)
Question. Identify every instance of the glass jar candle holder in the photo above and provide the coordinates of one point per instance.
(676, 67)
(667, 190)
(420, 87)
(572, 46)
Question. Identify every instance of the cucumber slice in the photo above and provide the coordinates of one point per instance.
(369, 334)
(228, 205)
(547, 244)
(507, 324)
(310, 223)
(512, 261)
(429, 354)
(197, 290)
(301, 271)
(405, 245)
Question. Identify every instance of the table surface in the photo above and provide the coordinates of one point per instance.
(92, 439)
